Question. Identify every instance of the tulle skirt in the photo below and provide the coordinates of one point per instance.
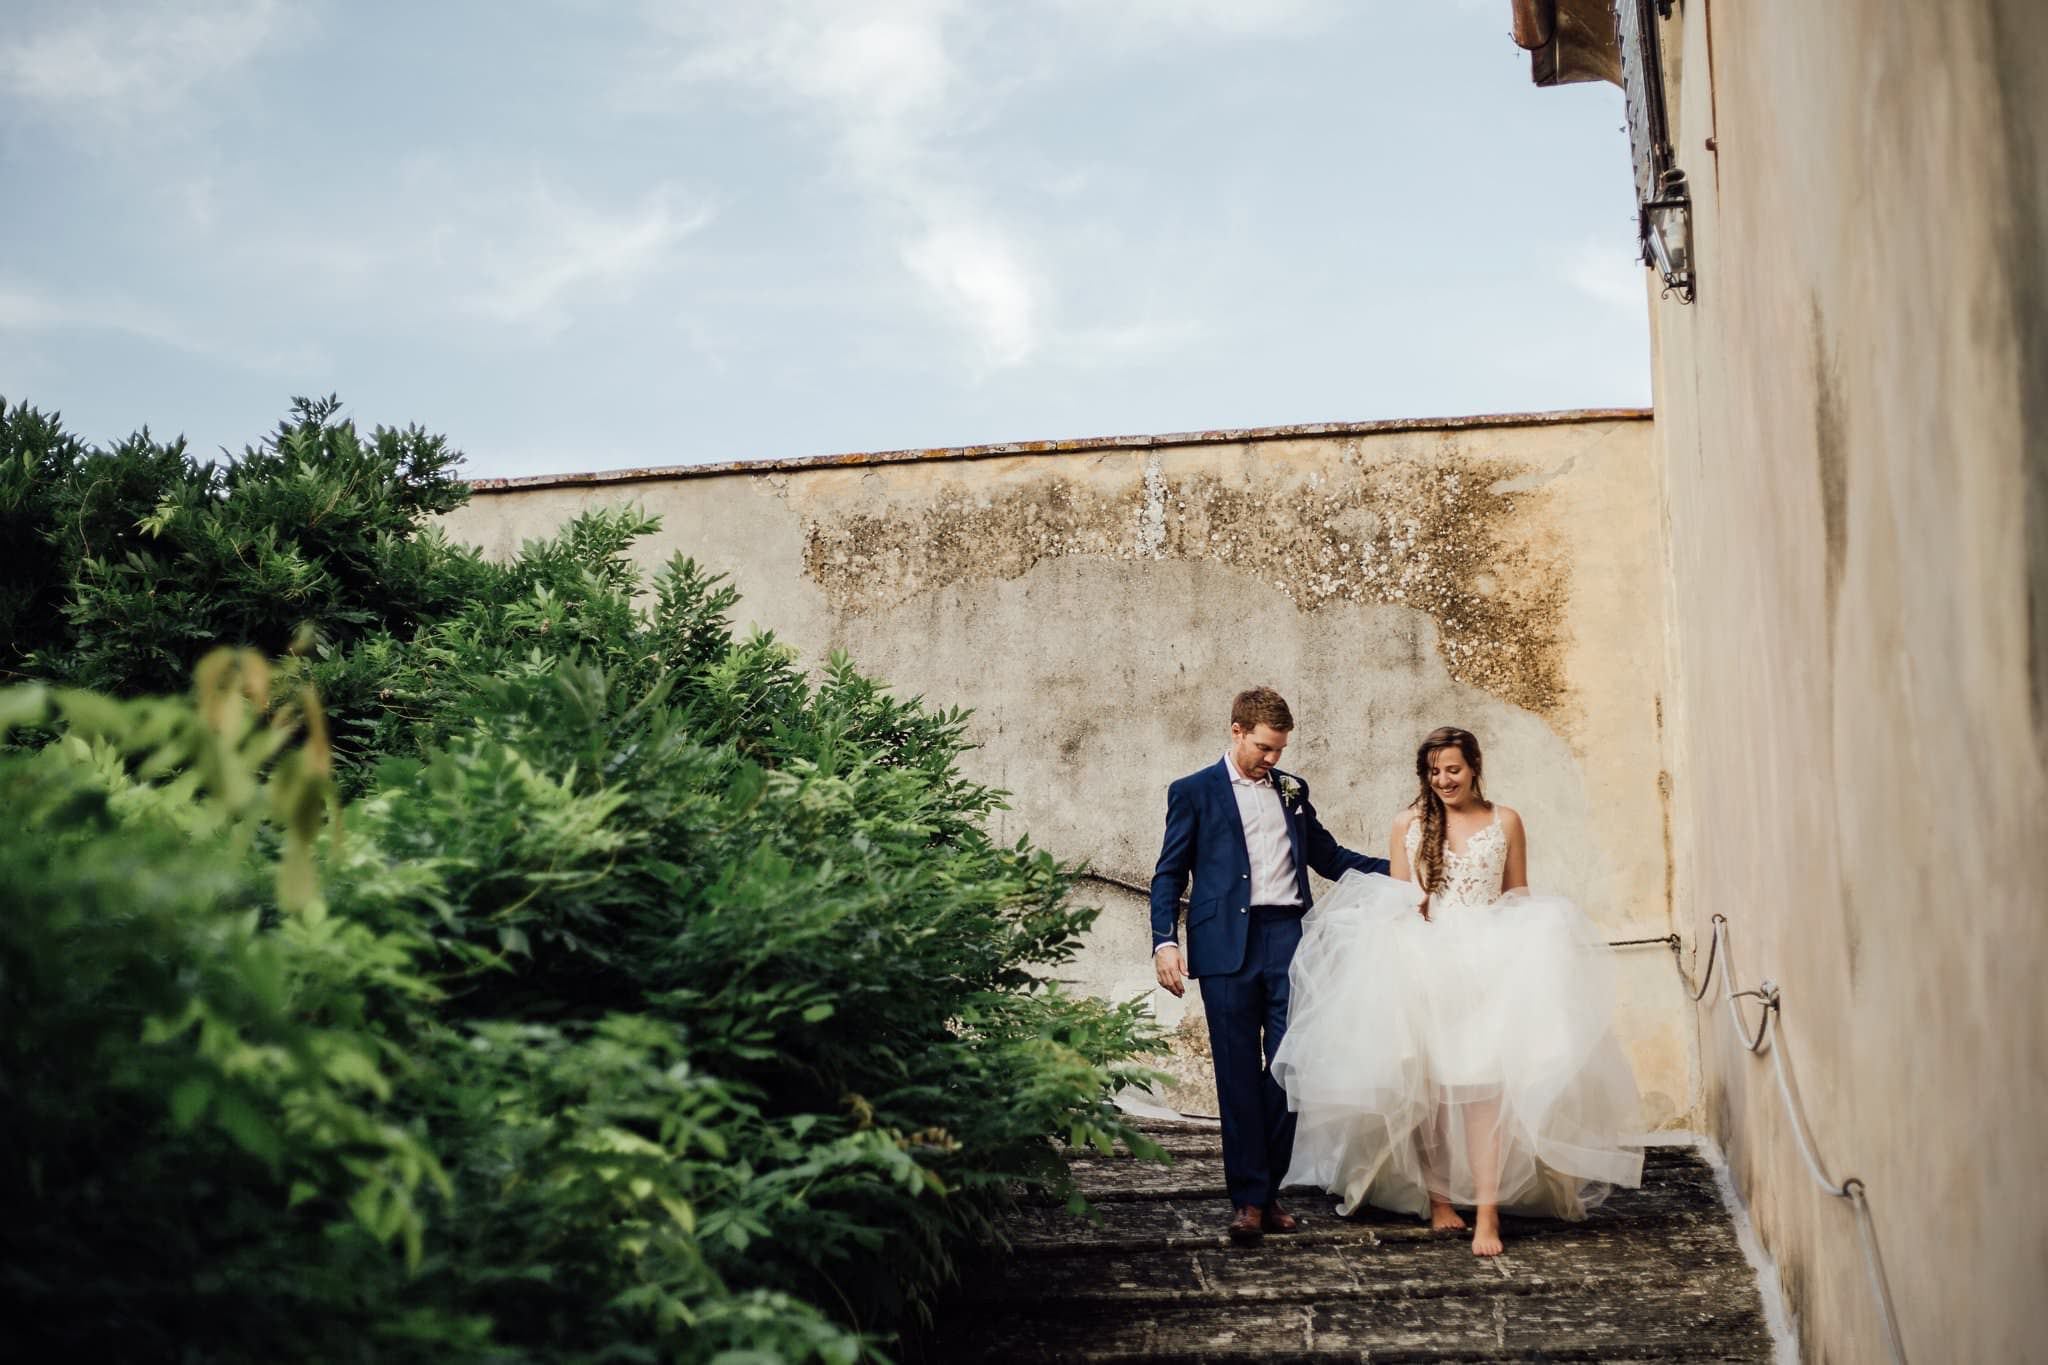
(1470, 1056)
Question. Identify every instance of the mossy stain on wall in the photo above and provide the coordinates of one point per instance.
(1461, 537)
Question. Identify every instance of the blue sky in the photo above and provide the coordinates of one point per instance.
(583, 235)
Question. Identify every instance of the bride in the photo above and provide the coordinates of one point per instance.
(1449, 1038)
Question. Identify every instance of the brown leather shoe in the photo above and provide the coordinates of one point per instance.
(1249, 1226)
(1277, 1219)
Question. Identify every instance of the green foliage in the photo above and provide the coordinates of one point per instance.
(142, 558)
(647, 999)
(188, 1047)
(38, 462)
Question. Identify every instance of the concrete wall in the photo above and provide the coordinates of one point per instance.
(1098, 603)
(1853, 428)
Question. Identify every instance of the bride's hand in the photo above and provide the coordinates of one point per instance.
(1166, 966)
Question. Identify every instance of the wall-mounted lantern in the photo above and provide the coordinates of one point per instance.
(1664, 202)
(1618, 41)
(1667, 234)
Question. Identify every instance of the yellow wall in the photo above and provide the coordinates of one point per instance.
(1098, 606)
(1851, 423)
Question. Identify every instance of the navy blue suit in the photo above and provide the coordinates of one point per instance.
(1241, 956)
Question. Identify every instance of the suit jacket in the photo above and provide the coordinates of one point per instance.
(1205, 841)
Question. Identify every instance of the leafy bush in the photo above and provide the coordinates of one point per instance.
(190, 1052)
(646, 999)
(136, 561)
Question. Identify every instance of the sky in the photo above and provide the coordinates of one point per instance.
(598, 234)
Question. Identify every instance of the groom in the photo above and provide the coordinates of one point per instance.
(1246, 833)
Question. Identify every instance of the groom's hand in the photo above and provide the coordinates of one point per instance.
(1166, 966)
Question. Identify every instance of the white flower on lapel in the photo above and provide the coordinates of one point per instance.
(1290, 791)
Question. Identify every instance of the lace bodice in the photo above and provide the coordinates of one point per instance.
(1473, 877)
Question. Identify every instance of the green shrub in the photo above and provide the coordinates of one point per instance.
(653, 1000)
(38, 463)
(209, 1148)
(135, 562)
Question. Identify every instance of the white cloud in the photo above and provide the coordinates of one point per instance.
(1607, 273)
(889, 82)
(30, 310)
(877, 78)
(528, 256)
(892, 85)
(463, 242)
(881, 59)
(981, 280)
(1154, 19)
(131, 60)
(1126, 342)
(878, 64)
(884, 81)
(201, 202)
(566, 250)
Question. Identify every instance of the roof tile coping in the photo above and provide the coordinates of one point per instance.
(1219, 436)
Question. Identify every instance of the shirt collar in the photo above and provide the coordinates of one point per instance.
(1238, 779)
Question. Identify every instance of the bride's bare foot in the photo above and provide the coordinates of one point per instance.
(1443, 1218)
(1486, 1236)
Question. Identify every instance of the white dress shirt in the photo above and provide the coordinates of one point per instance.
(1265, 838)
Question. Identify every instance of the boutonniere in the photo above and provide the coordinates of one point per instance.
(1290, 792)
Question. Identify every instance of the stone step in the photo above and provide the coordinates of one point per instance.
(1654, 1274)
(1200, 1173)
(1419, 1266)
(1179, 1142)
(1659, 1324)
(1206, 1139)
(1181, 1220)
(1192, 1224)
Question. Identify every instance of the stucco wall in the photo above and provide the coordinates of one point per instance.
(1851, 427)
(1097, 606)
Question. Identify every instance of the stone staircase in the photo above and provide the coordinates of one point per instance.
(1654, 1275)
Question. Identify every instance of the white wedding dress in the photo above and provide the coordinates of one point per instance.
(1468, 1054)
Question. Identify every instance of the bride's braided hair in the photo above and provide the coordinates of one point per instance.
(1429, 807)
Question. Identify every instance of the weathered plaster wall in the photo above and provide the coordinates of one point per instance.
(1098, 605)
(1853, 426)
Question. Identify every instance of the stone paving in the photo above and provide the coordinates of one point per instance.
(1654, 1275)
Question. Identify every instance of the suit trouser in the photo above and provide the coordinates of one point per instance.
(1247, 1013)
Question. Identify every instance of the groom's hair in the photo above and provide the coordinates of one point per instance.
(1258, 706)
